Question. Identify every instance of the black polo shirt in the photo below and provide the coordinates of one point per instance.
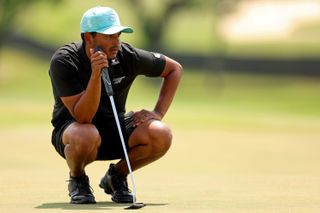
(70, 71)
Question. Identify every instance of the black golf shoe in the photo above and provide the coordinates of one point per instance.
(117, 186)
(80, 190)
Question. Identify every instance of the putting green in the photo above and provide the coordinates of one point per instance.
(207, 170)
(242, 143)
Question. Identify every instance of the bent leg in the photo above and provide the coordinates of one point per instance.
(147, 143)
(81, 146)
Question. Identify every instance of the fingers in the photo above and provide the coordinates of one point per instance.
(143, 116)
(91, 50)
(98, 60)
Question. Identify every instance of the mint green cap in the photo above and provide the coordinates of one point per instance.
(103, 20)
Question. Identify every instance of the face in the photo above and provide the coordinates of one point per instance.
(109, 43)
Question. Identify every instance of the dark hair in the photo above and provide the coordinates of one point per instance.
(92, 33)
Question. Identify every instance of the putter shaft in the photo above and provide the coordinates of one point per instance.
(107, 83)
(124, 147)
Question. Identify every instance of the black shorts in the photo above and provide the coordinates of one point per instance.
(111, 147)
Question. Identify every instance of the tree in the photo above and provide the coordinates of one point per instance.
(9, 9)
(153, 22)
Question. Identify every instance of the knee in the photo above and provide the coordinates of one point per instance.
(85, 138)
(161, 137)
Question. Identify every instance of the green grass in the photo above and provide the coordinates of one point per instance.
(216, 99)
(242, 143)
(205, 171)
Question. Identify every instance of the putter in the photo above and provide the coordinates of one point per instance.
(109, 90)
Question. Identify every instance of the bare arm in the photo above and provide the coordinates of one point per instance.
(84, 105)
(171, 74)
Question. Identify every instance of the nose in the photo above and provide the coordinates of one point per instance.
(116, 42)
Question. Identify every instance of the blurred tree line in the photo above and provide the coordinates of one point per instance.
(10, 9)
(153, 17)
(152, 23)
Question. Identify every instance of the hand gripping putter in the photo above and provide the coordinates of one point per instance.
(109, 90)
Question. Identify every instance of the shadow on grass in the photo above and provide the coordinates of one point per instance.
(98, 206)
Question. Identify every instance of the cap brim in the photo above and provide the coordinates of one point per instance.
(116, 29)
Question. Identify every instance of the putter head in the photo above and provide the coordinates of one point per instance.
(136, 206)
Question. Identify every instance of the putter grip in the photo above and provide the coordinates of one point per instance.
(107, 82)
(105, 76)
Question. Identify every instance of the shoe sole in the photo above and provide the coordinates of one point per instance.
(121, 201)
(78, 202)
(83, 201)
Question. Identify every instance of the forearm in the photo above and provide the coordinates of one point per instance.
(167, 91)
(88, 103)
(84, 105)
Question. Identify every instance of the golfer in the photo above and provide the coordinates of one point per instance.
(84, 127)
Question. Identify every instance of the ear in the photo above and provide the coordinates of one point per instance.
(88, 39)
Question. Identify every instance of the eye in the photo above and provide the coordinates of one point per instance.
(116, 35)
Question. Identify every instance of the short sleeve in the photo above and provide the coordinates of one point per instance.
(64, 75)
(146, 63)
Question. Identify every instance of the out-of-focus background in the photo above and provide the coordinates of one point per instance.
(246, 117)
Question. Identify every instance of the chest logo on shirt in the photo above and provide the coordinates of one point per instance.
(118, 80)
(157, 55)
